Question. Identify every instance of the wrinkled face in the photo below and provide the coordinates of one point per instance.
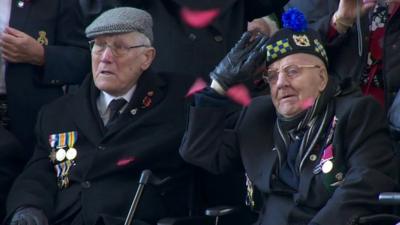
(299, 80)
(118, 60)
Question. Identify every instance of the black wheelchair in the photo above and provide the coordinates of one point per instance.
(206, 190)
(228, 211)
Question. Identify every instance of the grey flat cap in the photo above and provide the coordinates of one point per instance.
(121, 20)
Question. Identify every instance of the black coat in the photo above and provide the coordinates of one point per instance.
(105, 176)
(10, 152)
(183, 49)
(363, 160)
(67, 61)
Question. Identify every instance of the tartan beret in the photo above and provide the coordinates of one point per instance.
(121, 20)
(295, 38)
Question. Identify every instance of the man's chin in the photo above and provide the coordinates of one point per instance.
(105, 86)
(289, 111)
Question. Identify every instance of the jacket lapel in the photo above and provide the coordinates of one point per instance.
(19, 14)
(267, 158)
(85, 113)
(256, 141)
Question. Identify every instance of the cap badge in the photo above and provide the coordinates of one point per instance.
(301, 40)
(42, 39)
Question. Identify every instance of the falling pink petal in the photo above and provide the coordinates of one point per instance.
(198, 18)
(197, 86)
(307, 103)
(240, 94)
(125, 161)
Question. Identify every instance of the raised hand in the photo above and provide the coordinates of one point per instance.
(242, 62)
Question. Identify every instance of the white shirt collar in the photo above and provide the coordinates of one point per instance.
(107, 98)
(104, 100)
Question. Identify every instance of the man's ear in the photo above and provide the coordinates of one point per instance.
(149, 54)
(324, 79)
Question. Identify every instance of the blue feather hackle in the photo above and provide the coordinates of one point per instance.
(295, 20)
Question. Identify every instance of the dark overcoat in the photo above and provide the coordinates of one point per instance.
(67, 61)
(362, 157)
(104, 176)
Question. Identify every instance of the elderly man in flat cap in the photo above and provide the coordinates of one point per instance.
(93, 145)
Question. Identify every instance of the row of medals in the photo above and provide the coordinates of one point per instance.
(70, 154)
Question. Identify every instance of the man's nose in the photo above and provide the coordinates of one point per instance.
(106, 55)
(282, 80)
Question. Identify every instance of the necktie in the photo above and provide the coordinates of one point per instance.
(115, 106)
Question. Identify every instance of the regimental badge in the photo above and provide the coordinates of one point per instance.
(63, 155)
(42, 39)
(301, 40)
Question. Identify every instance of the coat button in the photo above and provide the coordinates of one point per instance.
(192, 37)
(86, 184)
(101, 147)
(339, 176)
(218, 38)
(313, 157)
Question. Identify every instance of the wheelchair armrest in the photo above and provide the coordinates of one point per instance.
(220, 210)
(189, 220)
(390, 198)
(380, 219)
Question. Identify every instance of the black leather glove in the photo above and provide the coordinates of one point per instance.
(394, 118)
(242, 62)
(29, 216)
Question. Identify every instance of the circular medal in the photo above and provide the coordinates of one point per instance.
(60, 154)
(71, 153)
(327, 166)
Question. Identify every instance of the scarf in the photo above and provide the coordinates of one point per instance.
(372, 77)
